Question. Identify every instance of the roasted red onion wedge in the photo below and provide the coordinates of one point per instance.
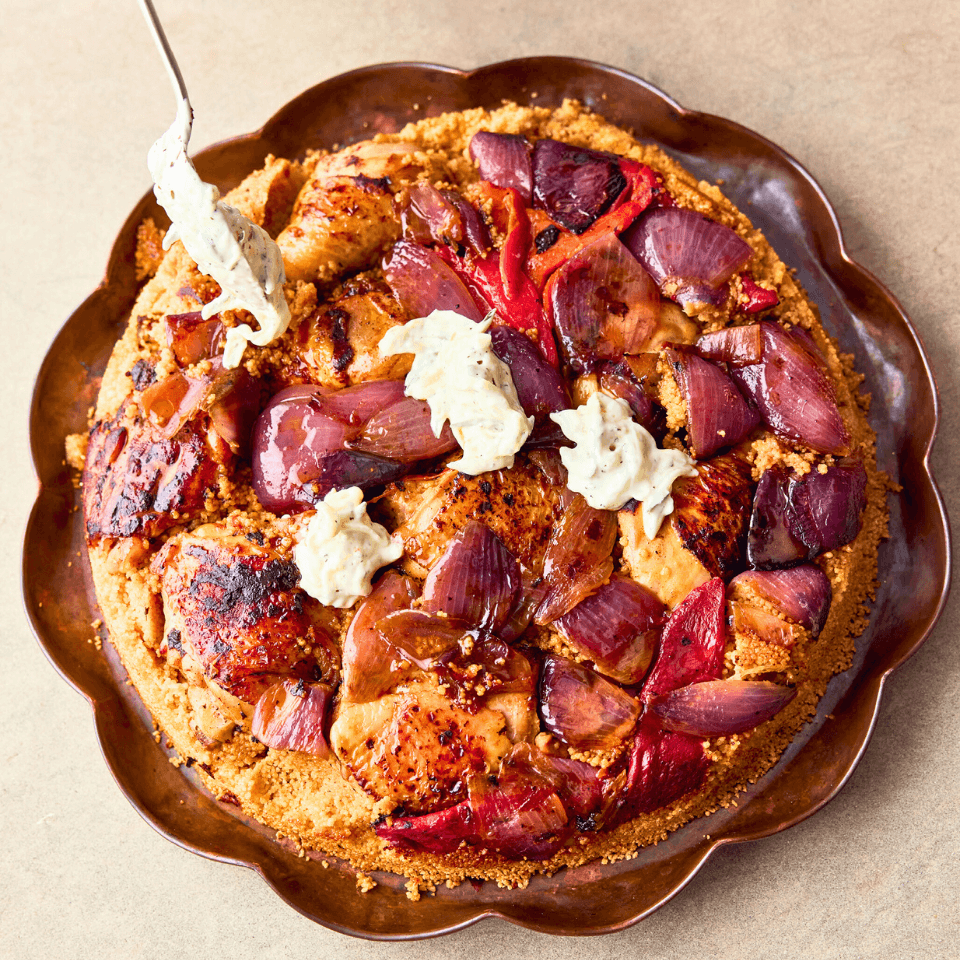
(692, 642)
(602, 303)
(368, 668)
(574, 185)
(298, 442)
(720, 708)
(578, 559)
(737, 346)
(424, 639)
(802, 594)
(798, 518)
(355, 405)
(427, 215)
(617, 379)
(618, 628)
(663, 767)
(422, 282)
(472, 662)
(440, 832)
(476, 579)
(291, 715)
(581, 708)
(518, 820)
(171, 402)
(402, 432)
(792, 390)
(689, 256)
(476, 236)
(505, 160)
(529, 597)
(540, 388)
(717, 414)
(828, 505)
(575, 782)
(772, 539)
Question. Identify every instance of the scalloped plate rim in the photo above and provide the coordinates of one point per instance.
(707, 846)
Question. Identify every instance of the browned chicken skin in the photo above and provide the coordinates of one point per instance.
(339, 343)
(135, 482)
(344, 216)
(520, 506)
(417, 749)
(233, 607)
(702, 538)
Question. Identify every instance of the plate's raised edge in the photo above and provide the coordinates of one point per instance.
(867, 277)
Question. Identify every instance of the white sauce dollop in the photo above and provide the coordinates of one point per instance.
(238, 254)
(616, 460)
(456, 371)
(341, 549)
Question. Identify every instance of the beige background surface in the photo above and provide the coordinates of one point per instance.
(865, 94)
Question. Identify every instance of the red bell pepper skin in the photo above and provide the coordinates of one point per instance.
(692, 643)
(524, 312)
(752, 298)
(643, 187)
(663, 766)
(498, 280)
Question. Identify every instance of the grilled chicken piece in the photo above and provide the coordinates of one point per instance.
(135, 482)
(661, 564)
(712, 513)
(520, 506)
(417, 749)
(338, 345)
(236, 620)
(703, 537)
(344, 215)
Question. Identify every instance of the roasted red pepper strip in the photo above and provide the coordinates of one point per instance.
(752, 298)
(484, 280)
(642, 186)
(509, 214)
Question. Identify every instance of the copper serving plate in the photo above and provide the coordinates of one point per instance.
(784, 201)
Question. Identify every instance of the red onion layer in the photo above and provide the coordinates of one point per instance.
(422, 282)
(476, 579)
(581, 708)
(291, 715)
(368, 660)
(689, 256)
(802, 594)
(720, 708)
(798, 518)
(717, 414)
(574, 185)
(792, 390)
(602, 303)
(737, 346)
(505, 160)
(577, 560)
(618, 628)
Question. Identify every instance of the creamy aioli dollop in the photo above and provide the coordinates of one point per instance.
(341, 548)
(615, 460)
(457, 373)
(237, 253)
